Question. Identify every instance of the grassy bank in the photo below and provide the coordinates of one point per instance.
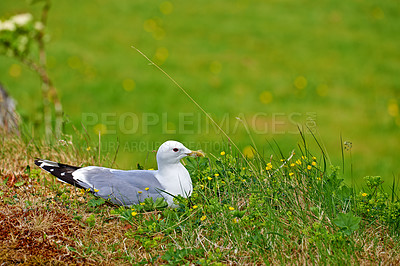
(275, 64)
(279, 208)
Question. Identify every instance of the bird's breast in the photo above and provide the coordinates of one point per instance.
(176, 180)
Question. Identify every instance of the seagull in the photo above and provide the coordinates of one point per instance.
(131, 187)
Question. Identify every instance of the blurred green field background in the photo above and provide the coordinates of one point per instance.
(330, 65)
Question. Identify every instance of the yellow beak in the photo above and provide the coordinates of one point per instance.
(196, 154)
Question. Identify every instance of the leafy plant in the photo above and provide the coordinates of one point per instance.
(96, 202)
(91, 220)
(374, 204)
(347, 222)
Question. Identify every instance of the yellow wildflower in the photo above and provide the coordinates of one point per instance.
(314, 163)
(146, 188)
(292, 165)
(151, 169)
(314, 158)
(209, 178)
(134, 214)
(216, 175)
(298, 161)
(142, 203)
(140, 192)
(203, 217)
(235, 220)
(291, 174)
(195, 207)
(222, 153)
(231, 208)
(96, 190)
(364, 194)
(309, 167)
(88, 148)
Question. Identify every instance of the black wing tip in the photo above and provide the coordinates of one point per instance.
(42, 163)
(38, 161)
(63, 172)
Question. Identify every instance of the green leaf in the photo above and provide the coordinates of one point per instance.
(96, 202)
(20, 183)
(238, 214)
(160, 203)
(347, 222)
(91, 220)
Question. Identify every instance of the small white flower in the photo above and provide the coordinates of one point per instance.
(38, 26)
(22, 19)
(7, 25)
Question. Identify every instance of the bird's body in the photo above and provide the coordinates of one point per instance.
(133, 186)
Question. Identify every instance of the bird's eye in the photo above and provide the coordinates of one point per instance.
(175, 149)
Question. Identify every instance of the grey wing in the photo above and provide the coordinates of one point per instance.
(120, 187)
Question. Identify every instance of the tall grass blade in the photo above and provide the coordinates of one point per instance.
(324, 156)
(342, 150)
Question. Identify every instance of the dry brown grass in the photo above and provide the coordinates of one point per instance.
(37, 235)
(35, 228)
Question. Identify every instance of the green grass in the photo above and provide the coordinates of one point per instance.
(226, 54)
(273, 209)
